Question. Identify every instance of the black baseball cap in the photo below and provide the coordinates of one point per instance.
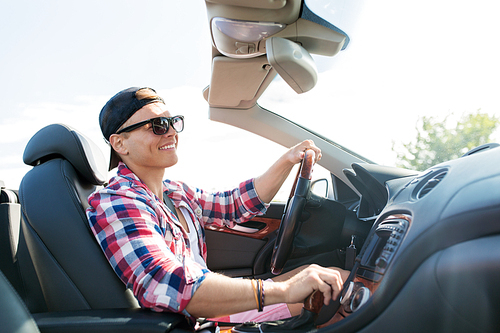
(120, 108)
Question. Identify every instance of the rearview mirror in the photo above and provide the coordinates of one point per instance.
(293, 63)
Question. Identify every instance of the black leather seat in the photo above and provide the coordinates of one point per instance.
(15, 261)
(10, 223)
(14, 316)
(73, 272)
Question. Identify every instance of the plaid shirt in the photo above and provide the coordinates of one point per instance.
(144, 242)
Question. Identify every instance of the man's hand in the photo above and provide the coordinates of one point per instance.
(327, 280)
(268, 184)
(296, 153)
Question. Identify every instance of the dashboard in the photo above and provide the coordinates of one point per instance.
(430, 261)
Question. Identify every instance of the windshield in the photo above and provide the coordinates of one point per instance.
(404, 61)
(342, 14)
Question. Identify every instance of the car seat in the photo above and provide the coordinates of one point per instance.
(15, 261)
(73, 272)
(14, 317)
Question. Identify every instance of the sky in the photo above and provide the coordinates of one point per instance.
(60, 61)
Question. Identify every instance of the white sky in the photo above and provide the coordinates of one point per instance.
(60, 61)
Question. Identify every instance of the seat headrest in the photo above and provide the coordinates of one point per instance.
(58, 140)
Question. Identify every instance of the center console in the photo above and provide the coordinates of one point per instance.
(373, 262)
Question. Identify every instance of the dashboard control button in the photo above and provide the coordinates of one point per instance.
(360, 298)
(381, 262)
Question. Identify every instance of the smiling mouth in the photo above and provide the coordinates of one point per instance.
(171, 146)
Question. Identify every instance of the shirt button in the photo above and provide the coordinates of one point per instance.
(198, 211)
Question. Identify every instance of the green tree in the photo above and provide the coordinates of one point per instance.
(437, 141)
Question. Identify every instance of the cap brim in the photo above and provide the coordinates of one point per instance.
(113, 160)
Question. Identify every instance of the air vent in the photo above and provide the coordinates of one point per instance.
(431, 183)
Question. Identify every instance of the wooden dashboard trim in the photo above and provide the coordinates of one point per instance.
(271, 226)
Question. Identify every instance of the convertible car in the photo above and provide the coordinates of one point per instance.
(423, 248)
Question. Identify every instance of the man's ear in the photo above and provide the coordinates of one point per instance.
(117, 142)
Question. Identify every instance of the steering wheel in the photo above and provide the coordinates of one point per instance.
(293, 211)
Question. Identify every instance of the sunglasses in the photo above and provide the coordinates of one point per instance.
(160, 125)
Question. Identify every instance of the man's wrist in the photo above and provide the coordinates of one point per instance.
(275, 292)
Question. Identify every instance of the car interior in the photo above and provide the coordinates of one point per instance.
(422, 247)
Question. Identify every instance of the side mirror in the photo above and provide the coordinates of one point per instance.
(320, 187)
(293, 63)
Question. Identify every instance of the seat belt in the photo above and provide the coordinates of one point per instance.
(169, 204)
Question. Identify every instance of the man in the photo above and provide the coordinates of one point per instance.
(161, 256)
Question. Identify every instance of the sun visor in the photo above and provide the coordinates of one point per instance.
(293, 63)
(238, 83)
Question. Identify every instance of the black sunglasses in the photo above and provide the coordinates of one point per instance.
(160, 125)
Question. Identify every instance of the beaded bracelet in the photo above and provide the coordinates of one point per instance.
(262, 295)
(258, 292)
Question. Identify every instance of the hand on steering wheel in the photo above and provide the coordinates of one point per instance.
(289, 222)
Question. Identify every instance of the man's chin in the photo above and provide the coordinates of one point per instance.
(172, 161)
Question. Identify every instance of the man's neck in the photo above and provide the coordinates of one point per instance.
(153, 178)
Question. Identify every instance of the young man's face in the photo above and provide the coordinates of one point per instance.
(146, 149)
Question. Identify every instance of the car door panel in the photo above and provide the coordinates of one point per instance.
(235, 251)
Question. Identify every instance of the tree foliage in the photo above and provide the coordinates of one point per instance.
(437, 141)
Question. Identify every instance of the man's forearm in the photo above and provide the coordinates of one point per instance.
(269, 183)
(219, 295)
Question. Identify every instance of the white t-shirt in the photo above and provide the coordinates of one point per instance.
(193, 238)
